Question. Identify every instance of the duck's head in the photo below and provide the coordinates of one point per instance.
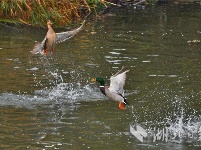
(100, 80)
(49, 22)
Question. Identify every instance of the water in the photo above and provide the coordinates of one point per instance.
(50, 103)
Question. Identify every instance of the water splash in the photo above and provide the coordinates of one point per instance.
(21, 100)
(58, 77)
(178, 128)
(61, 93)
(71, 92)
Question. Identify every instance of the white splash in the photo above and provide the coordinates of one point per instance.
(176, 129)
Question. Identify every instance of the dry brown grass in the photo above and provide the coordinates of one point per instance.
(37, 12)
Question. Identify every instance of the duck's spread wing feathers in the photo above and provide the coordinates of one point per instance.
(117, 83)
(63, 36)
(39, 48)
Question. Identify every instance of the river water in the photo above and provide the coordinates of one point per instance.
(50, 103)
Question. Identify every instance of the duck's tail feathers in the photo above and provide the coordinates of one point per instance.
(125, 101)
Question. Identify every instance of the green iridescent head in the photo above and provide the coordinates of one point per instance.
(100, 80)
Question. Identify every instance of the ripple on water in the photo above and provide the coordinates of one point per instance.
(162, 75)
(33, 69)
(146, 61)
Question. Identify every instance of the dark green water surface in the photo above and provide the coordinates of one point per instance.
(49, 102)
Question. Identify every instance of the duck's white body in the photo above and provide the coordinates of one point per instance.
(113, 96)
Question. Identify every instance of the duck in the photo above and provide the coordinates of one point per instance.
(52, 38)
(115, 91)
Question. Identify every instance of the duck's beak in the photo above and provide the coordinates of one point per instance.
(49, 22)
(121, 105)
(93, 80)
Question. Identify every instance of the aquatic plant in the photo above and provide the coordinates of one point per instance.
(37, 12)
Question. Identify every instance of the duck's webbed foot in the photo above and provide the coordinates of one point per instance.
(46, 52)
(121, 105)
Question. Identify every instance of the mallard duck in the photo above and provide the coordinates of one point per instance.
(52, 38)
(115, 91)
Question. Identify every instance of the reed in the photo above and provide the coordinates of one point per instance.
(37, 12)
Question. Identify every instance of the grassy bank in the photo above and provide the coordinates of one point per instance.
(37, 12)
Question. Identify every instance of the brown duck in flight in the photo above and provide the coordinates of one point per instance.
(52, 38)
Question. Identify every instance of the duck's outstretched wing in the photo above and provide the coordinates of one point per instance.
(117, 83)
(63, 36)
(39, 48)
